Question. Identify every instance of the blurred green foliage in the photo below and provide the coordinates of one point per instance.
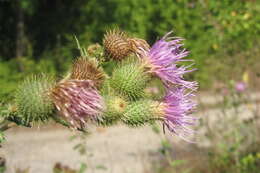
(222, 35)
(226, 162)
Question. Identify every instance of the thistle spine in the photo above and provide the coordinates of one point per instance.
(88, 69)
(115, 107)
(143, 111)
(116, 45)
(33, 100)
(129, 80)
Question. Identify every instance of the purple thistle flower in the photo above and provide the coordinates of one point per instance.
(77, 101)
(240, 87)
(162, 59)
(177, 107)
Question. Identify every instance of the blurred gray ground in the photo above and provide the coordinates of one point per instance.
(117, 149)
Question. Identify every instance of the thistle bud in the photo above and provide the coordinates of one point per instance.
(33, 100)
(115, 107)
(87, 69)
(106, 88)
(116, 44)
(96, 51)
(141, 112)
(129, 80)
(77, 101)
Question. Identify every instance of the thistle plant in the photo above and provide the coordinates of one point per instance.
(88, 94)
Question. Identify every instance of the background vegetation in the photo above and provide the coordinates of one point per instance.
(37, 36)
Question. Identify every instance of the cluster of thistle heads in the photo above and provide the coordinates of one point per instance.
(146, 85)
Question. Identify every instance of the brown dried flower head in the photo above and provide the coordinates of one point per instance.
(87, 69)
(138, 45)
(116, 44)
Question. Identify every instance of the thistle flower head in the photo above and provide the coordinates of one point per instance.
(32, 99)
(115, 107)
(87, 69)
(129, 80)
(116, 45)
(176, 109)
(162, 58)
(240, 87)
(116, 104)
(77, 101)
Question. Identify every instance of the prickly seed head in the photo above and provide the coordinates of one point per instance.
(116, 45)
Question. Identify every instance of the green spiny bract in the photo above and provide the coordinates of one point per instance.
(140, 112)
(115, 107)
(32, 99)
(106, 88)
(129, 80)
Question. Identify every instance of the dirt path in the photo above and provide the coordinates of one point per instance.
(116, 149)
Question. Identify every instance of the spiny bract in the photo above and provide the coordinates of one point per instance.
(129, 80)
(115, 107)
(138, 113)
(32, 98)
